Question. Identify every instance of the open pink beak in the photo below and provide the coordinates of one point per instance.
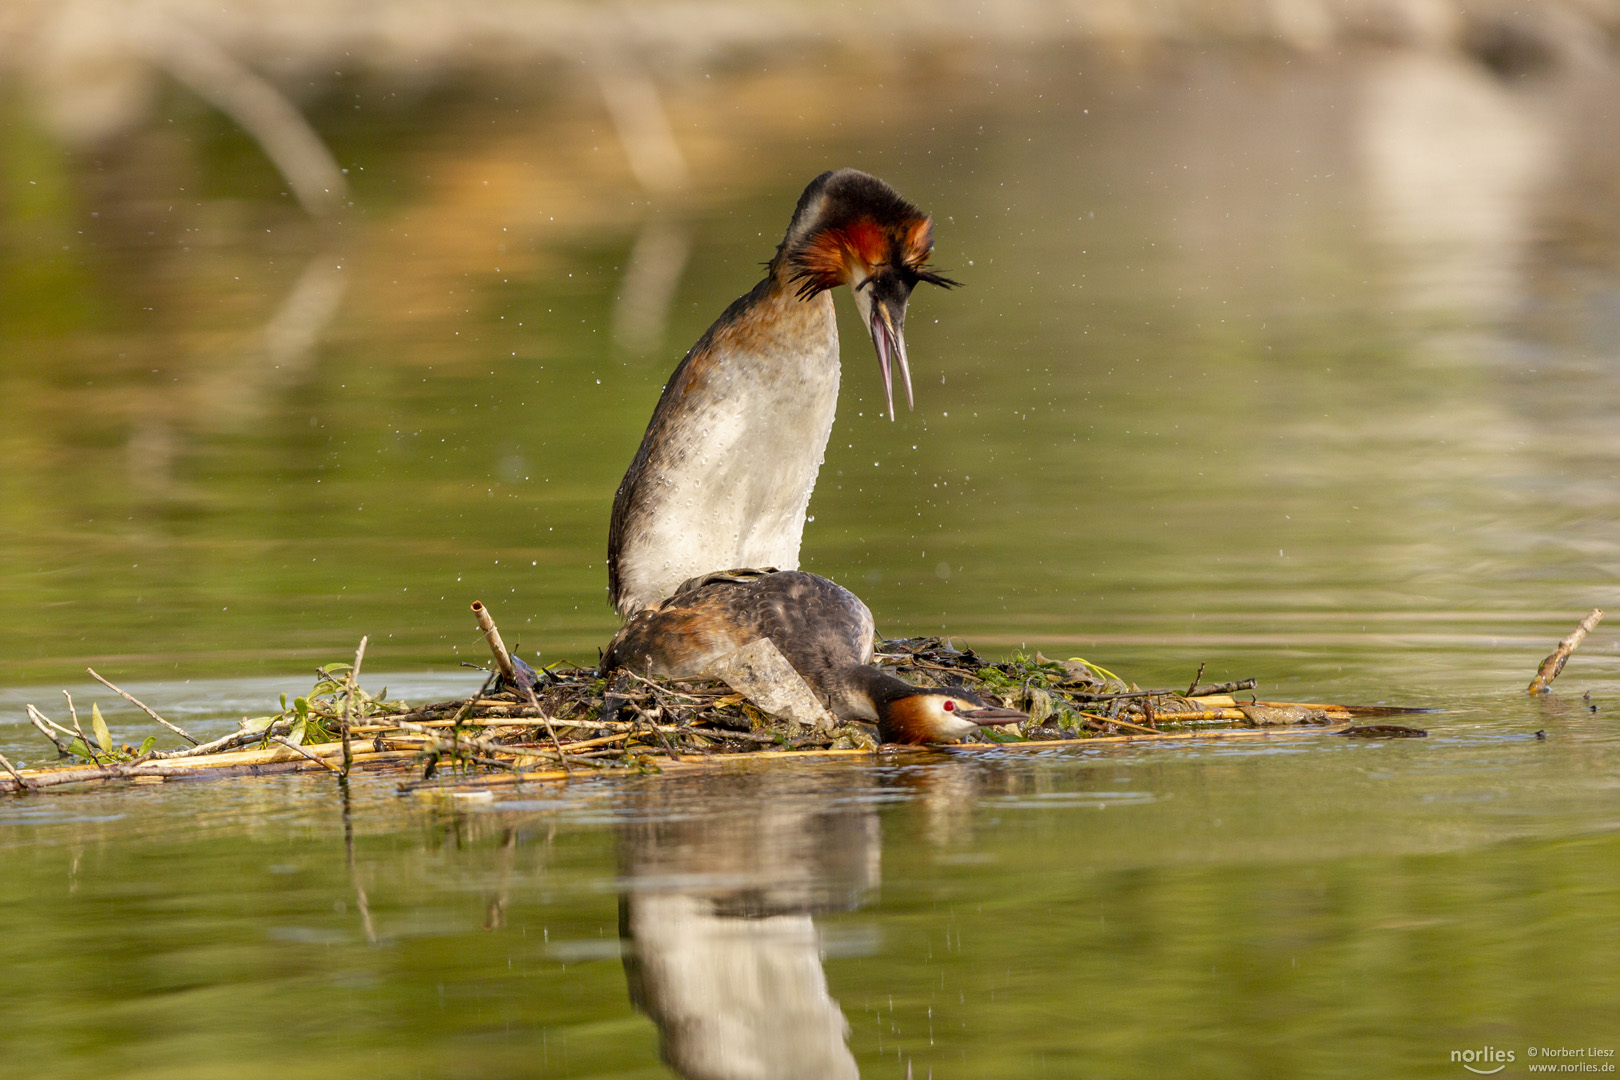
(888, 337)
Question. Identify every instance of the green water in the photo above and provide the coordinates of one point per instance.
(1239, 375)
(1310, 907)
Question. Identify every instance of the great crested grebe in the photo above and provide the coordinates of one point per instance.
(725, 471)
(821, 628)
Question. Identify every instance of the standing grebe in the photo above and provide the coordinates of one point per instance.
(821, 628)
(725, 471)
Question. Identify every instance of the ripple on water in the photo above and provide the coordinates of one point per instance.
(1046, 800)
(61, 813)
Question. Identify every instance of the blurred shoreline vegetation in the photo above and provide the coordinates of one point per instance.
(277, 281)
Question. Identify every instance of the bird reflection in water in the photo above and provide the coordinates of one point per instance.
(720, 947)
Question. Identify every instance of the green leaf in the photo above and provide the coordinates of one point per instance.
(296, 735)
(103, 736)
(283, 702)
(146, 744)
(258, 723)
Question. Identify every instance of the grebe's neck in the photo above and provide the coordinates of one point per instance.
(876, 687)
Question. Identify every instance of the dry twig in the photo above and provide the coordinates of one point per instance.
(1117, 722)
(227, 742)
(289, 744)
(40, 721)
(144, 708)
(22, 781)
(1199, 674)
(1554, 663)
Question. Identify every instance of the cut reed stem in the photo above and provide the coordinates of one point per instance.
(350, 687)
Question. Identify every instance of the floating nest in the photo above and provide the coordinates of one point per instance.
(564, 720)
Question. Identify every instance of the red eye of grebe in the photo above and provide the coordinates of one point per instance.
(949, 706)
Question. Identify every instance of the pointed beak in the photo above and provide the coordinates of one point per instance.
(885, 311)
(989, 717)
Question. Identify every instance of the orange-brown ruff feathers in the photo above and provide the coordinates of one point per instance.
(725, 470)
(821, 628)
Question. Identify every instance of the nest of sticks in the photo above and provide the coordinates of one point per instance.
(562, 720)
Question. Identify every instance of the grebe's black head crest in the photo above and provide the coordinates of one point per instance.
(850, 228)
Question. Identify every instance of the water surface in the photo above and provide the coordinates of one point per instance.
(1284, 905)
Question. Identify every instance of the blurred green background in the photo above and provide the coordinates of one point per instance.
(1258, 324)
